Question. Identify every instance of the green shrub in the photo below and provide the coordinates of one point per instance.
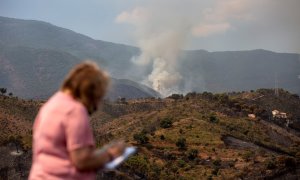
(215, 171)
(217, 162)
(247, 156)
(181, 163)
(180, 131)
(166, 123)
(181, 143)
(176, 96)
(271, 164)
(169, 156)
(213, 119)
(149, 146)
(192, 154)
(138, 165)
(155, 171)
(141, 138)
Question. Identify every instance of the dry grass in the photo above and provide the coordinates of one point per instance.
(201, 120)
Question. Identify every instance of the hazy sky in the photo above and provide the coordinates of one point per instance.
(214, 25)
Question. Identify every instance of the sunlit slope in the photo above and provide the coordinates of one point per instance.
(220, 140)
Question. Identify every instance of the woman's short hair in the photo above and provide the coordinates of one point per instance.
(87, 83)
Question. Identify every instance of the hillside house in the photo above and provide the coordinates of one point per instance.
(278, 114)
(251, 116)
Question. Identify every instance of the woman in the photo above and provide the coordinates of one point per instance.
(63, 143)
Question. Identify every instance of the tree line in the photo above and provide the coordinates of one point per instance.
(4, 90)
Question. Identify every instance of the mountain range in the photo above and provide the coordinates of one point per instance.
(35, 56)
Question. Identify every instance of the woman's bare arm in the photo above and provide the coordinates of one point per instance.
(88, 158)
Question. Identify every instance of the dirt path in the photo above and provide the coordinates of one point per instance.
(291, 133)
(241, 144)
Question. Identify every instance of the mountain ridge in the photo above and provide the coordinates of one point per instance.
(201, 70)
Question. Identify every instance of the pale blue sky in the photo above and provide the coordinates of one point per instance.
(272, 25)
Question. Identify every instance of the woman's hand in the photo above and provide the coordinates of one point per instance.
(116, 149)
(88, 158)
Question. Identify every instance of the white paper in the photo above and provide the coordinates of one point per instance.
(116, 162)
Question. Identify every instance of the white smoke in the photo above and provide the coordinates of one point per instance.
(162, 28)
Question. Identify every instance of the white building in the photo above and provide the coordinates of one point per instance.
(278, 114)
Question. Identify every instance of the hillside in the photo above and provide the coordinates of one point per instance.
(42, 35)
(33, 73)
(23, 41)
(200, 135)
(35, 57)
(207, 135)
(241, 70)
(37, 74)
(130, 90)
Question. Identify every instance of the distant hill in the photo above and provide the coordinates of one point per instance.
(42, 35)
(33, 73)
(35, 56)
(201, 70)
(38, 73)
(240, 70)
(130, 90)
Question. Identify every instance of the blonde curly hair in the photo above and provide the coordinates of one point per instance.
(87, 83)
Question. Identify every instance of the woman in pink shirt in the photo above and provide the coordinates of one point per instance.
(63, 143)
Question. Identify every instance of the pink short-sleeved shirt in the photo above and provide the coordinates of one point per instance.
(62, 125)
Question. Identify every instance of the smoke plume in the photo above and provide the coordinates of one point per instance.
(162, 28)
